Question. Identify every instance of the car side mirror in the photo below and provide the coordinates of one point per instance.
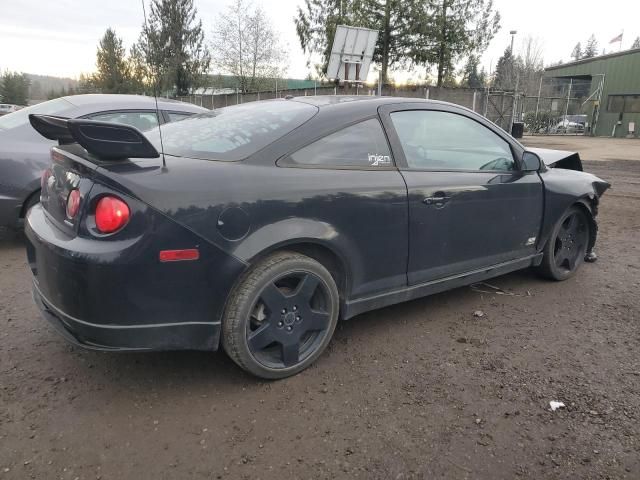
(531, 162)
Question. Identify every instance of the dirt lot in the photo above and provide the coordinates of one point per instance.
(420, 390)
(590, 148)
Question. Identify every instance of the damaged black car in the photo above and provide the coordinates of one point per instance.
(258, 227)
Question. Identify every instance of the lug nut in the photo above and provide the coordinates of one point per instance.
(295, 307)
(298, 318)
(279, 324)
(289, 328)
(284, 310)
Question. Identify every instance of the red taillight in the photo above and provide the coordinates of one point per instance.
(179, 255)
(73, 203)
(111, 214)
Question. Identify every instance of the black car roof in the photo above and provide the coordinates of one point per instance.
(358, 102)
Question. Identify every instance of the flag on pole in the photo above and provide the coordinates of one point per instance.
(616, 39)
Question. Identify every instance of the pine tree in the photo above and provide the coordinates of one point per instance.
(636, 43)
(471, 78)
(507, 70)
(112, 75)
(395, 20)
(591, 50)
(576, 54)
(461, 27)
(173, 45)
(14, 88)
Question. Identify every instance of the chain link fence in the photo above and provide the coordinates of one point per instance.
(562, 106)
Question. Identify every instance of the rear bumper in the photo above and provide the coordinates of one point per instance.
(180, 336)
(117, 295)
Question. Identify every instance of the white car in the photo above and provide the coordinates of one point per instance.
(8, 108)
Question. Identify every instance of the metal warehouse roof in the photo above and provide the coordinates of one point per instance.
(593, 59)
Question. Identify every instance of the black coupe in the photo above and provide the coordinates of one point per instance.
(259, 226)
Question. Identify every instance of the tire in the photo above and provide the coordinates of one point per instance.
(32, 200)
(281, 316)
(567, 247)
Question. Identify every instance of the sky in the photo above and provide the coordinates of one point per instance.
(60, 37)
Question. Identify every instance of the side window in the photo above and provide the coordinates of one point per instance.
(177, 116)
(448, 141)
(361, 145)
(141, 120)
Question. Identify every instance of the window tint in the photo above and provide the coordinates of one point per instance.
(361, 145)
(232, 133)
(448, 141)
(59, 106)
(141, 120)
(176, 117)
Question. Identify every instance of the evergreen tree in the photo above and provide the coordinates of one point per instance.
(471, 78)
(112, 75)
(435, 32)
(14, 88)
(591, 50)
(508, 68)
(461, 27)
(636, 43)
(395, 21)
(576, 54)
(173, 45)
(139, 74)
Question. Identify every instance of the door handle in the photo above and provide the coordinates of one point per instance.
(439, 199)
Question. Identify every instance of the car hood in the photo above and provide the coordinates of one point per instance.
(559, 158)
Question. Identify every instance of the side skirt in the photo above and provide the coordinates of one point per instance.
(351, 308)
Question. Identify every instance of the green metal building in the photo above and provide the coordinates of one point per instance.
(613, 101)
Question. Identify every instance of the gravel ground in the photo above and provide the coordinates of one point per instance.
(420, 390)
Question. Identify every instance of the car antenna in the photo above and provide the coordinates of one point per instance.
(155, 90)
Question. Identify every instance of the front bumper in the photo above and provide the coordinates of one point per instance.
(179, 336)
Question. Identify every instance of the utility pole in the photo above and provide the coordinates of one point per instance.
(513, 34)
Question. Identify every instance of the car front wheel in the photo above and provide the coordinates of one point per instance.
(566, 249)
(281, 316)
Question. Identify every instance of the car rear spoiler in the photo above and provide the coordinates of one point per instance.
(106, 141)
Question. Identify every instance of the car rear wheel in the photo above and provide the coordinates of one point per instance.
(281, 316)
(567, 247)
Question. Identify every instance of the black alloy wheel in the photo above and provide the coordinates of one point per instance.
(282, 316)
(567, 247)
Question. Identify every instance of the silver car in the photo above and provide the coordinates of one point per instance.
(24, 154)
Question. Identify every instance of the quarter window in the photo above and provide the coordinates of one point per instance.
(435, 140)
(362, 145)
(176, 116)
(141, 120)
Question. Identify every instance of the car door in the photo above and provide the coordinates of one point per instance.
(346, 180)
(470, 205)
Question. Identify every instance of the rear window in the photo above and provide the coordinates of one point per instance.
(232, 133)
(57, 106)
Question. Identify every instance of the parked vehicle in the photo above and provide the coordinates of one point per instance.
(24, 154)
(6, 108)
(570, 124)
(260, 225)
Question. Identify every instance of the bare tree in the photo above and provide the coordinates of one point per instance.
(246, 45)
(531, 65)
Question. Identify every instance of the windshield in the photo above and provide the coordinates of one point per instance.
(232, 133)
(21, 117)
